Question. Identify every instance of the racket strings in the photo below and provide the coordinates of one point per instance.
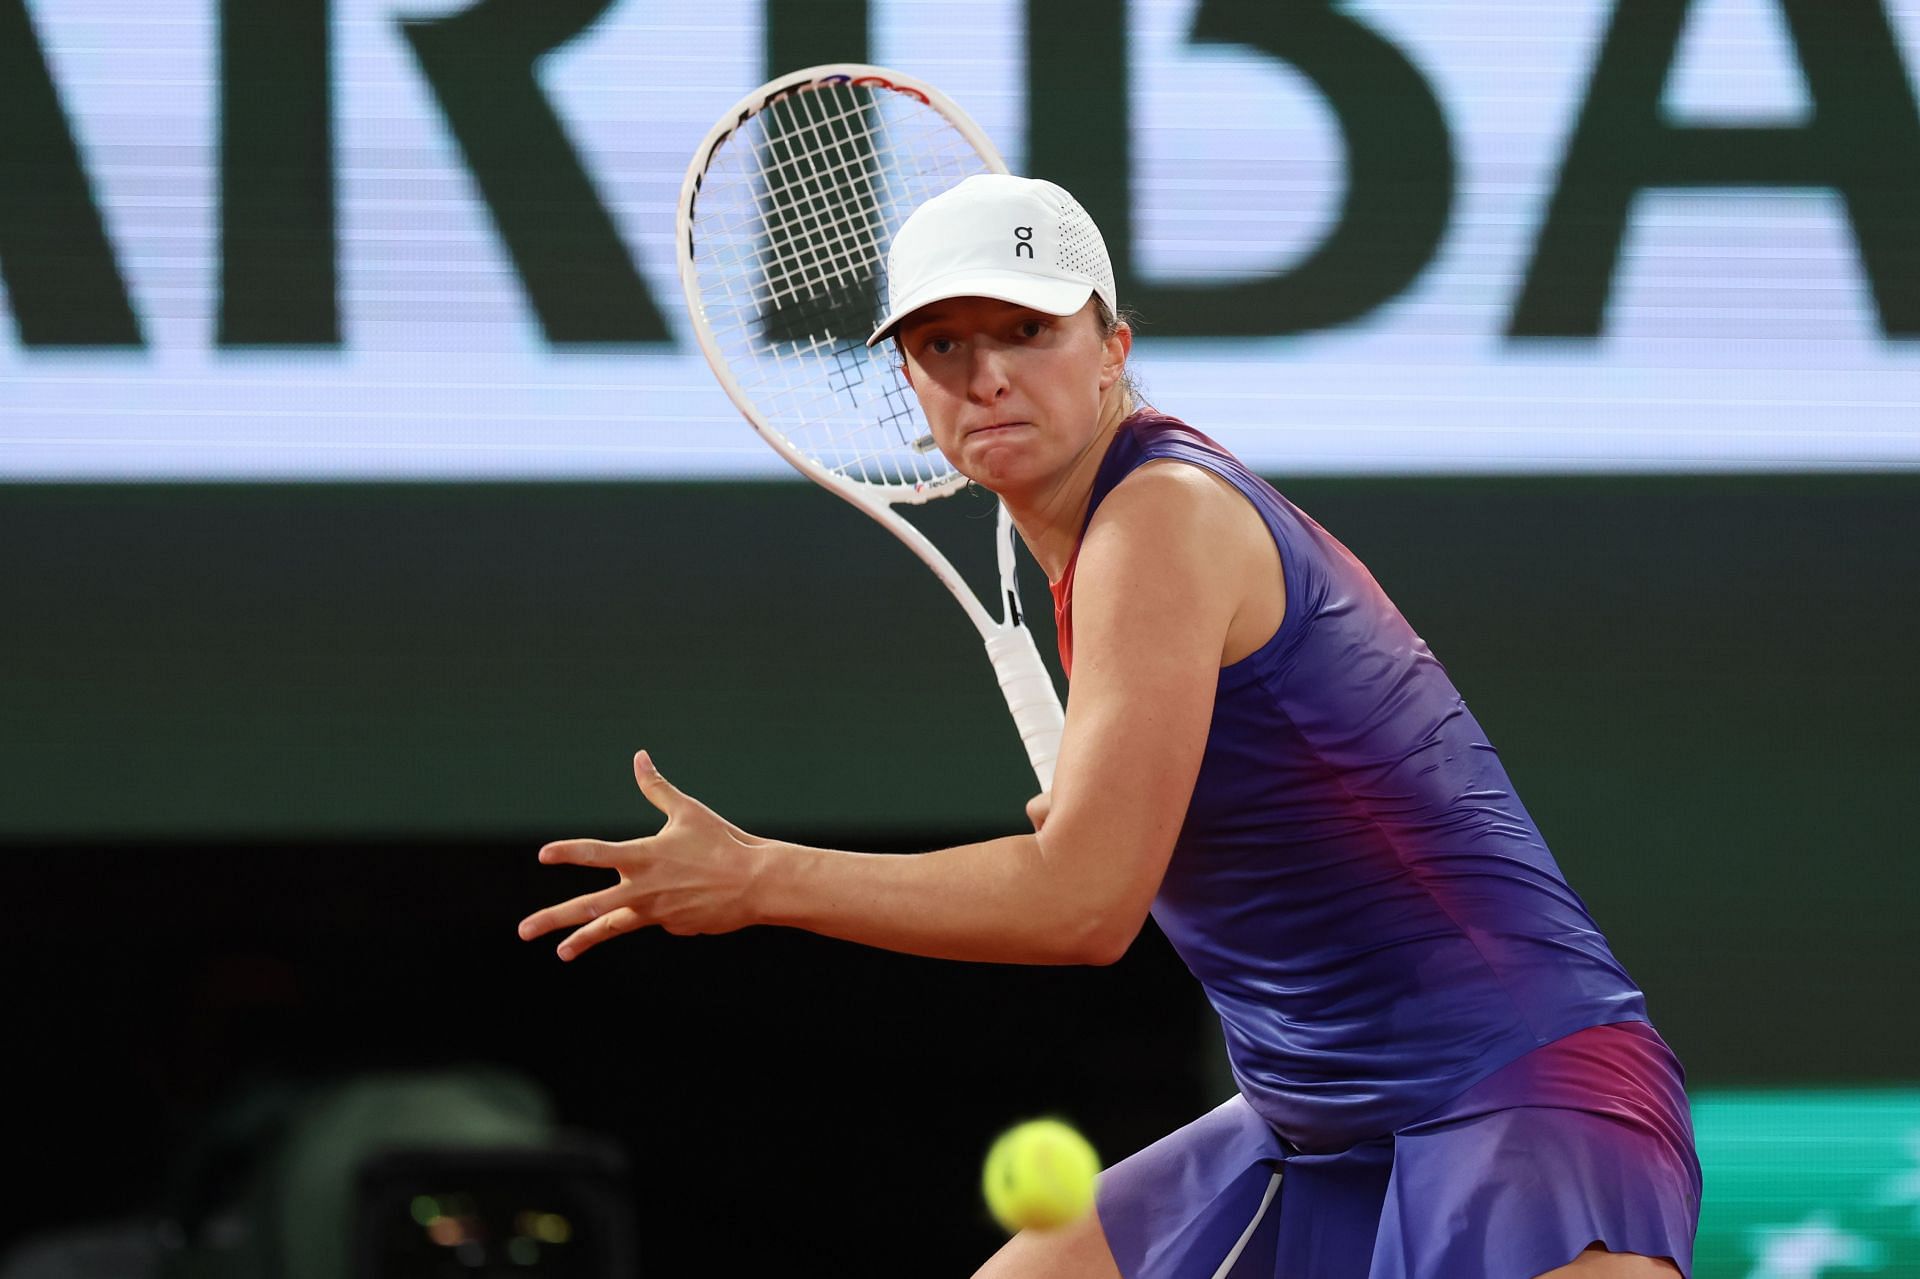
(791, 228)
(853, 252)
(837, 201)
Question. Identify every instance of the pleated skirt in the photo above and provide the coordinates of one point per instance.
(1586, 1139)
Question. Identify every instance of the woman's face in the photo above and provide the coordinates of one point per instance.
(1012, 395)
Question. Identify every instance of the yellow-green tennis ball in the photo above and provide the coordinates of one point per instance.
(1039, 1175)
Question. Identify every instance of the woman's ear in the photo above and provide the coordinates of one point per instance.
(1116, 348)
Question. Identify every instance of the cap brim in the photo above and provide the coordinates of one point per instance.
(1055, 297)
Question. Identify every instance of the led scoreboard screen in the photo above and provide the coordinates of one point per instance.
(334, 239)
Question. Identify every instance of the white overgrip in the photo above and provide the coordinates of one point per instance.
(1029, 691)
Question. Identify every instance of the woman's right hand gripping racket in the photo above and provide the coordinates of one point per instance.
(786, 215)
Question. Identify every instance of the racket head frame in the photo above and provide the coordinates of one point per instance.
(874, 498)
(858, 75)
(1023, 679)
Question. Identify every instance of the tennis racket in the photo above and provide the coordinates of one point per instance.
(786, 215)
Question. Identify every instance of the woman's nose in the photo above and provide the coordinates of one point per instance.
(988, 379)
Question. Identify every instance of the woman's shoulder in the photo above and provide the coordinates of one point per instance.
(1149, 439)
(1159, 465)
(1170, 484)
(1169, 512)
(1181, 531)
(1164, 489)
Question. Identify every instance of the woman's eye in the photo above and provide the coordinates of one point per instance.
(939, 346)
(1032, 328)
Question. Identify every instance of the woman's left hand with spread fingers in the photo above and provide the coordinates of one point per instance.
(697, 875)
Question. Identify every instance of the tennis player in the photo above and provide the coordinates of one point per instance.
(1443, 1071)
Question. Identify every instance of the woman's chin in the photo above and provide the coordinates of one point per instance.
(998, 463)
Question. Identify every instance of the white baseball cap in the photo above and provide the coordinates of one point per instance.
(1021, 240)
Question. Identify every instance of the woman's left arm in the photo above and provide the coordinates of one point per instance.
(1162, 572)
(1159, 579)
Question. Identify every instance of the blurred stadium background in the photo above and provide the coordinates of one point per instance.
(364, 505)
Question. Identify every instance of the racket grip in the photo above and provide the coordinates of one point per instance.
(1028, 688)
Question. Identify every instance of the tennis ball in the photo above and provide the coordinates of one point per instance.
(1039, 1174)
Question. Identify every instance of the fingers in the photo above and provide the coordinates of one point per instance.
(605, 928)
(660, 792)
(1037, 809)
(598, 917)
(571, 914)
(577, 852)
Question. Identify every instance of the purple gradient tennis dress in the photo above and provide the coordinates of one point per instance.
(1444, 1073)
